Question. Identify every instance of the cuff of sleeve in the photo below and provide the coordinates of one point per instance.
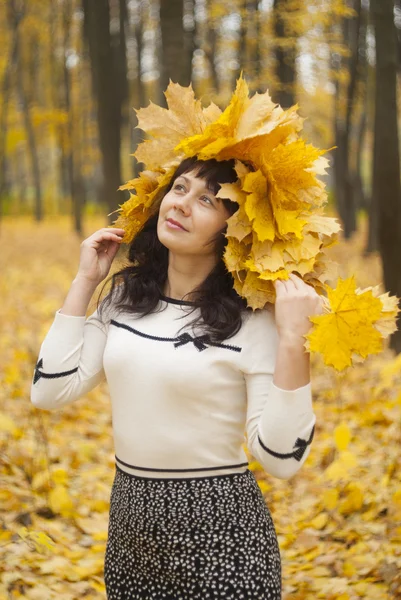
(69, 316)
(289, 402)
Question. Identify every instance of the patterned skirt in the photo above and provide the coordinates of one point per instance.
(197, 538)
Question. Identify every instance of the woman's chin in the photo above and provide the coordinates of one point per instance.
(173, 244)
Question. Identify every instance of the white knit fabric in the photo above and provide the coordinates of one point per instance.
(179, 410)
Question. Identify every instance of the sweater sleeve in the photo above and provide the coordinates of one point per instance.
(280, 424)
(70, 361)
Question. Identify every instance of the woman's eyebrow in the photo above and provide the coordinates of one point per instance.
(207, 186)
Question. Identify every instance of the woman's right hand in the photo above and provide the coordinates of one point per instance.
(97, 254)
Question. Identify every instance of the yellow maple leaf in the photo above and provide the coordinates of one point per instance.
(387, 324)
(132, 219)
(348, 327)
(168, 126)
(258, 293)
(266, 256)
(238, 225)
(321, 224)
(257, 206)
(235, 255)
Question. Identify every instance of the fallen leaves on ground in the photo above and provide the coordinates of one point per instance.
(338, 520)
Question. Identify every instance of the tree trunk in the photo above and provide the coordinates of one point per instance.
(73, 176)
(6, 91)
(257, 67)
(242, 53)
(139, 93)
(189, 39)
(344, 179)
(386, 166)
(350, 199)
(210, 49)
(15, 17)
(105, 83)
(173, 59)
(121, 60)
(285, 57)
(358, 186)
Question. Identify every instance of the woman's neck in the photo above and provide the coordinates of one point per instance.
(185, 275)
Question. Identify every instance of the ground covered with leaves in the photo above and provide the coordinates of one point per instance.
(338, 519)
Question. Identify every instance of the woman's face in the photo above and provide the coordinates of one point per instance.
(191, 204)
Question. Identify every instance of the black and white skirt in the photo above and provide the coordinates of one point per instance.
(190, 539)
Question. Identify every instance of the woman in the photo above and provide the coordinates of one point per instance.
(187, 517)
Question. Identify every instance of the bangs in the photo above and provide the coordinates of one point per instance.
(214, 172)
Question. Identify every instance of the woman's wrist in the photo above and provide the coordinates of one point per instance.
(291, 339)
(78, 298)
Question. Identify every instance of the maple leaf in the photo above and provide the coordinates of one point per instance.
(238, 225)
(168, 126)
(348, 327)
(257, 206)
(132, 219)
(235, 255)
(259, 293)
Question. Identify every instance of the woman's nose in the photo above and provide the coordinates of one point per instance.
(183, 202)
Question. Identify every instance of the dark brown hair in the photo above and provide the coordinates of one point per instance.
(141, 283)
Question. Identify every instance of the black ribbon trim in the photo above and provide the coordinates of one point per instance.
(300, 445)
(201, 342)
(39, 374)
(194, 470)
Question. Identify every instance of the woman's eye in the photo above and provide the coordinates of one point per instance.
(206, 198)
(178, 185)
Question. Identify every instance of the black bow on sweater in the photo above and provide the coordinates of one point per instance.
(302, 445)
(199, 342)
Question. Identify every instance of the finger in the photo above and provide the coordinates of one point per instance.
(112, 250)
(297, 281)
(105, 238)
(282, 285)
(300, 284)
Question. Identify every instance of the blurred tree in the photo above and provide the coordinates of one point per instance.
(210, 45)
(343, 114)
(73, 167)
(386, 159)
(138, 91)
(16, 14)
(176, 50)
(397, 21)
(6, 93)
(249, 60)
(109, 92)
(285, 51)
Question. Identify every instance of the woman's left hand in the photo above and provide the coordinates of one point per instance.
(296, 301)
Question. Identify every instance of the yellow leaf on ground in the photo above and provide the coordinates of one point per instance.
(320, 521)
(60, 501)
(342, 436)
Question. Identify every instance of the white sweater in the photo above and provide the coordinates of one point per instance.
(180, 407)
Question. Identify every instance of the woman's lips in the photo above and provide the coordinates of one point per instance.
(174, 225)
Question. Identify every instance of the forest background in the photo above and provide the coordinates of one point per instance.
(71, 72)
